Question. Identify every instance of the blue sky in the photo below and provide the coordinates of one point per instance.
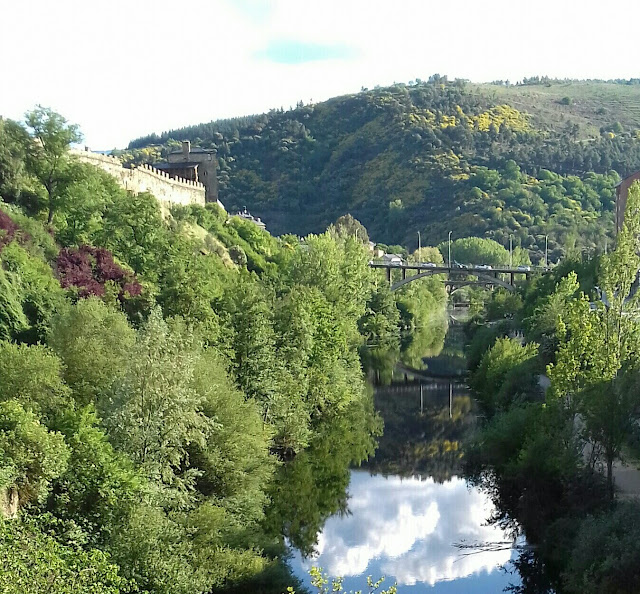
(130, 67)
(291, 51)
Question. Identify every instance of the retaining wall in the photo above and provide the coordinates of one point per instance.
(145, 178)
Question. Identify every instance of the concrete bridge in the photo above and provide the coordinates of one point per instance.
(457, 276)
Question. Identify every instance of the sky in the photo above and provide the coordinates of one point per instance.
(125, 68)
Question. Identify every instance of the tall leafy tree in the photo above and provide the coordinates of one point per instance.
(599, 353)
(13, 144)
(95, 343)
(47, 155)
(153, 413)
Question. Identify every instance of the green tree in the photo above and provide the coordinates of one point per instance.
(34, 562)
(235, 462)
(347, 226)
(604, 553)
(134, 231)
(13, 177)
(31, 456)
(95, 343)
(600, 348)
(99, 487)
(38, 290)
(85, 201)
(487, 380)
(477, 250)
(13, 321)
(427, 254)
(191, 284)
(33, 376)
(152, 412)
(47, 155)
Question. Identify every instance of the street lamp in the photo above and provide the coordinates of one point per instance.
(450, 232)
(546, 251)
(510, 251)
(419, 246)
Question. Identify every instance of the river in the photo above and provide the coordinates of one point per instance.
(409, 512)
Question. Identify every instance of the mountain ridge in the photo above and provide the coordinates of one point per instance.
(494, 160)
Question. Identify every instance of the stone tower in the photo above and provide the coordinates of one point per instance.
(195, 164)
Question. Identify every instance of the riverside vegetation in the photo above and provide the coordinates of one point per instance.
(179, 391)
(547, 458)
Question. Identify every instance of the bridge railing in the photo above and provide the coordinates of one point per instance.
(464, 268)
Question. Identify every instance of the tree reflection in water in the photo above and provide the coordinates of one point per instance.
(313, 486)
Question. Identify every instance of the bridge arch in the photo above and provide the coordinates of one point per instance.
(487, 279)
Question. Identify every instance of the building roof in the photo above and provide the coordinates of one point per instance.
(247, 216)
(195, 149)
(179, 165)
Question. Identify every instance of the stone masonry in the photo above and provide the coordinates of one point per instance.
(147, 179)
(196, 164)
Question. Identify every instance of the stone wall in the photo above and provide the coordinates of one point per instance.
(145, 178)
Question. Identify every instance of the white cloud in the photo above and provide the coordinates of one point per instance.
(124, 68)
(408, 527)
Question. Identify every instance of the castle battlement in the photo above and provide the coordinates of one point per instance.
(146, 178)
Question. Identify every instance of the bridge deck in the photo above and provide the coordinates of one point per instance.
(456, 269)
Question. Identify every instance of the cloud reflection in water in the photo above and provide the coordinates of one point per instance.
(405, 529)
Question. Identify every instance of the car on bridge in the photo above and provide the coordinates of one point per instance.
(524, 268)
(483, 267)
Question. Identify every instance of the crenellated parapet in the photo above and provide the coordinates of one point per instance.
(165, 175)
(145, 178)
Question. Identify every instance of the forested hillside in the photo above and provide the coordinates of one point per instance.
(531, 160)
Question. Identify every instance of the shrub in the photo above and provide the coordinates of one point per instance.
(606, 552)
(8, 229)
(89, 269)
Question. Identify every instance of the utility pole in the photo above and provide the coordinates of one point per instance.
(419, 247)
(450, 232)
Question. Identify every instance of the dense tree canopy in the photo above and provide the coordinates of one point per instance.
(165, 372)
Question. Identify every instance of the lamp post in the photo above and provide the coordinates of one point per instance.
(450, 232)
(510, 251)
(419, 247)
(546, 251)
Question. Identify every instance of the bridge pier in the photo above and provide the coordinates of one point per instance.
(404, 273)
(389, 275)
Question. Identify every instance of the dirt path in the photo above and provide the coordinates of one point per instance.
(627, 480)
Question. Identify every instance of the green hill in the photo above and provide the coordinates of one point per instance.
(530, 160)
(592, 104)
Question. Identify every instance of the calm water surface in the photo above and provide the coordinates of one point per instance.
(410, 507)
(405, 529)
